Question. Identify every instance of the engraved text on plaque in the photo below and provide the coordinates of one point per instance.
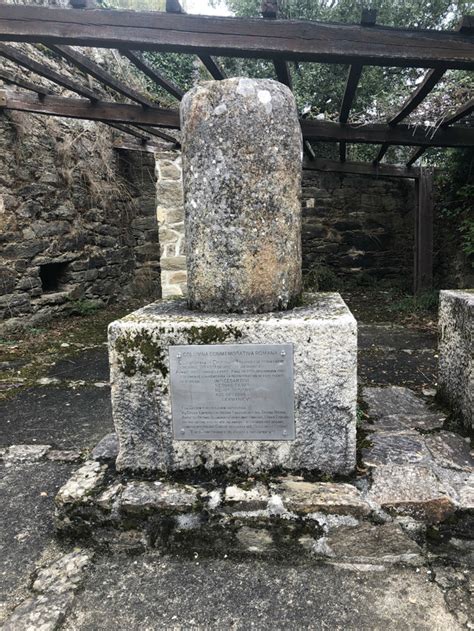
(232, 392)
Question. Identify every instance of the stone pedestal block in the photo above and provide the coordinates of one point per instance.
(456, 353)
(242, 150)
(324, 338)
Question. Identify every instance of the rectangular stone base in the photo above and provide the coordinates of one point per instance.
(456, 353)
(324, 338)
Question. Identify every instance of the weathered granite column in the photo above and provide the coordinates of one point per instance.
(237, 378)
(242, 152)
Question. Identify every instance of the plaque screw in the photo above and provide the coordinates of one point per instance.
(179, 355)
(283, 353)
(285, 432)
(182, 431)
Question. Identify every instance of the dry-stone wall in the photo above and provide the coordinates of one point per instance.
(170, 213)
(359, 225)
(353, 226)
(77, 217)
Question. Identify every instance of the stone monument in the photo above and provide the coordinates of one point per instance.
(249, 374)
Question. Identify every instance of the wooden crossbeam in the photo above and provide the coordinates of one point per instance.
(241, 37)
(376, 133)
(368, 18)
(30, 64)
(382, 151)
(103, 111)
(147, 137)
(214, 69)
(359, 168)
(139, 62)
(282, 72)
(423, 264)
(431, 79)
(349, 93)
(342, 151)
(94, 70)
(417, 153)
(456, 136)
(159, 134)
(269, 11)
(129, 130)
(461, 112)
(9, 77)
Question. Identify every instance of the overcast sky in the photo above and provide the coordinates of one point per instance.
(202, 7)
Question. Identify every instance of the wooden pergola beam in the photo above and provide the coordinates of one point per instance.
(103, 111)
(94, 70)
(269, 11)
(368, 18)
(159, 134)
(461, 112)
(376, 133)
(239, 37)
(139, 62)
(431, 79)
(315, 130)
(381, 152)
(417, 153)
(359, 168)
(9, 77)
(23, 60)
(129, 130)
(214, 69)
(423, 264)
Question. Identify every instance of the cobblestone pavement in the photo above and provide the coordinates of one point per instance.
(49, 583)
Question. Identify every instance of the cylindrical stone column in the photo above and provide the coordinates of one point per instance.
(242, 151)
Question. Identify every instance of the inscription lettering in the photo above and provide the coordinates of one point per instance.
(232, 392)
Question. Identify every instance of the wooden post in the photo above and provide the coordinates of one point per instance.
(423, 273)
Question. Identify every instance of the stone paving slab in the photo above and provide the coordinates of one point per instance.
(380, 366)
(395, 337)
(153, 592)
(57, 415)
(27, 491)
(90, 365)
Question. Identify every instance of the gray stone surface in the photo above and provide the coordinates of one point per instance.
(27, 490)
(53, 587)
(163, 592)
(107, 448)
(412, 489)
(391, 400)
(456, 353)
(242, 151)
(327, 497)
(324, 338)
(370, 544)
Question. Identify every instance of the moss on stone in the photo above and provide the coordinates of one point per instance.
(212, 334)
(152, 355)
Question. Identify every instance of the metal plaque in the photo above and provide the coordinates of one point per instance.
(232, 392)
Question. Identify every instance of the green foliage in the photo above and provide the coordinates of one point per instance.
(321, 277)
(84, 307)
(455, 192)
(427, 301)
(319, 88)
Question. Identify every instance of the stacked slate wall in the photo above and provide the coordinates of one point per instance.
(359, 227)
(77, 220)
